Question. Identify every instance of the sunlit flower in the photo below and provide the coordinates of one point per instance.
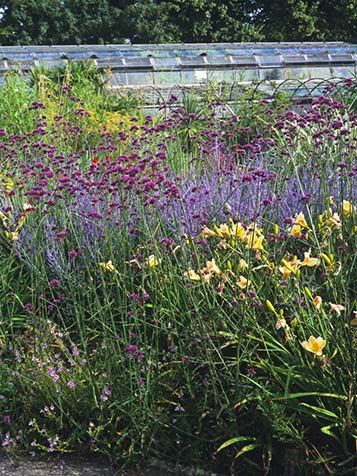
(281, 324)
(243, 265)
(243, 282)
(237, 230)
(152, 261)
(108, 266)
(254, 242)
(296, 231)
(317, 301)
(300, 220)
(347, 207)
(337, 308)
(335, 220)
(286, 272)
(191, 274)
(309, 261)
(314, 345)
(224, 229)
(289, 266)
(212, 267)
(207, 232)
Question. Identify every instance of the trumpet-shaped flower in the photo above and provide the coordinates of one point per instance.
(207, 232)
(337, 308)
(347, 208)
(152, 261)
(308, 261)
(237, 230)
(335, 220)
(191, 274)
(317, 301)
(225, 231)
(243, 265)
(296, 231)
(212, 267)
(314, 345)
(243, 282)
(300, 220)
(108, 266)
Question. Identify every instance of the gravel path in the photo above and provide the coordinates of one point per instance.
(77, 466)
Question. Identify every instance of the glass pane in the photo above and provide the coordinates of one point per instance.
(240, 51)
(194, 61)
(21, 64)
(133, 53)
(110, 62)
(298, 72)
(271, 73)
(244, 60)
(220, 75)
(320, 72)
(293, 59)
(269, 60)
(342, 71)
(317, 58)
(165, 63)
(167, 77)
(246, 74)
(51, 62)
(266, 51)
(342, 57)
(194, 76)
(138, 78)
(218, 60)
(118, 78)
(138, 62)
(74, 55)
(20, 56)
(183, 52)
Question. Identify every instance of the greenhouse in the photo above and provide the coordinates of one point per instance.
(190, 64)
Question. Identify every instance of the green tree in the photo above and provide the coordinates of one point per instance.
(306, 20)
(193, 21)
(36, 22)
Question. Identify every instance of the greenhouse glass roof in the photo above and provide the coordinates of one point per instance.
(160, 65)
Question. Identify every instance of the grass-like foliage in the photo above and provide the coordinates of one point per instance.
(181, 286)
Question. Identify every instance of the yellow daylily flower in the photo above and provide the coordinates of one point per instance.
(243, 265)
(347, 208)
(212, 267)
(300, 220)
(309, 261)
(207, 232)
(296, 231)
(152, 261)
(237, 230)
(314, 345)
(286, 272)
(191, 274)
(108, 266)
(224, 229)
(335, 220)
(253, 241)
(243, 282)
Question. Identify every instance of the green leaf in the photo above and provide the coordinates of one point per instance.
(247, 448)
(232, 441)
(321, 411)
(310, 394)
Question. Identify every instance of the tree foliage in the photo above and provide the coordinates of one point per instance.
(34, 22)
